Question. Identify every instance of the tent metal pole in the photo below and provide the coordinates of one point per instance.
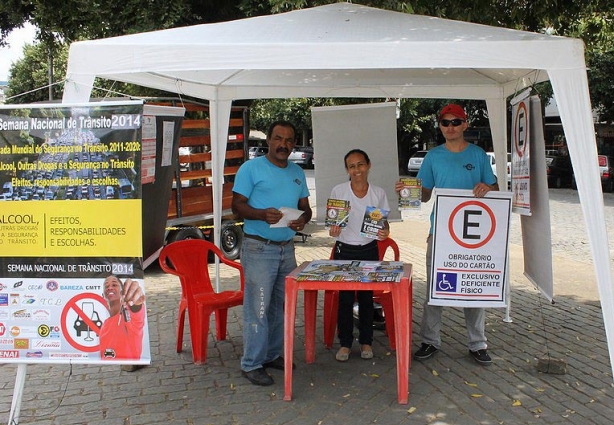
(20, 380)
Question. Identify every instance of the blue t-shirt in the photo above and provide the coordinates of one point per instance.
(455, 170)
(268, 186)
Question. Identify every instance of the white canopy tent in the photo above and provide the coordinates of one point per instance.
(349, 50)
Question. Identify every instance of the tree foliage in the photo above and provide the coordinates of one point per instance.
(31, 73)
(597, 32)
(72, 20)
(64, 22)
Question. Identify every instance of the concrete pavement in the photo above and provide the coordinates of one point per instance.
(449, 389)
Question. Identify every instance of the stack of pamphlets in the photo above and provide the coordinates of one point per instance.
(352, 271)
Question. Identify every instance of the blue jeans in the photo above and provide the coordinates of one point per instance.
(265, 267)
(431, 316)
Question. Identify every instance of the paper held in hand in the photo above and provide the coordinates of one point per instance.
(373, 221)
(337, 212)
(289, 214)
(411, 194)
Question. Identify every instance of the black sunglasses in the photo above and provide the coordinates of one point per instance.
(455, 122)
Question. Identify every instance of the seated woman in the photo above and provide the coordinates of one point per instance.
(351, 245)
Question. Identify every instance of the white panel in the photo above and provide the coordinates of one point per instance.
(536, 234)
(339, 129)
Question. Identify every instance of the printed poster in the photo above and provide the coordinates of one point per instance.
(70, 218)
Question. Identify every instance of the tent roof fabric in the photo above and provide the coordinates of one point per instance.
(323, 51)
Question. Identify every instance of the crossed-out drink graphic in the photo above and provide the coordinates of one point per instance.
(81, 325)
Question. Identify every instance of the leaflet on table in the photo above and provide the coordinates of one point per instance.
(373, 221)
(352, 271)
(337, 212)
(410, 197)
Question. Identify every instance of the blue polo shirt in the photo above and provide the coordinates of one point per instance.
(455, 170)
(266, 185)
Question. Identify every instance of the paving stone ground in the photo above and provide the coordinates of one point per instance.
(448, 389)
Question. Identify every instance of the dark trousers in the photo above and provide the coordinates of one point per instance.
(345, 322)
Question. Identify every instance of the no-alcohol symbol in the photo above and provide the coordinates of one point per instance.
(82, 318)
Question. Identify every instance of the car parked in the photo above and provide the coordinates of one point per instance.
(302, 155)
(255, 151)
(415, 162)
(606, 171)
(559, 171)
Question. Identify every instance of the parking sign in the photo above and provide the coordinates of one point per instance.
(470, 247)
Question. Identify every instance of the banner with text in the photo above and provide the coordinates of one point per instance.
(70, 218)
(470, 245)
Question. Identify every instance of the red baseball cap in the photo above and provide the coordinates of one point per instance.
(453, 109)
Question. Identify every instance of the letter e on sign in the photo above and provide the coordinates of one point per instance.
(472, 224)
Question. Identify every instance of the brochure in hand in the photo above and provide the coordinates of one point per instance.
(373, 221)
(411, 195)
(337, 212)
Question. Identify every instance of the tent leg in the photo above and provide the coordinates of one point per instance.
(20, 380)
(508, 294)
(507, 318)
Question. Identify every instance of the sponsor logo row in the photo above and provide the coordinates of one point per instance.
(50, 285)
(17, 300)
(16, 354)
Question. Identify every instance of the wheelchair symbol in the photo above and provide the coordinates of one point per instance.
(443, 284)
(446, 282)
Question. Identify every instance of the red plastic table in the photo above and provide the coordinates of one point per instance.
(401, 299)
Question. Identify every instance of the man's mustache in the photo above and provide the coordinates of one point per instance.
(282, 149)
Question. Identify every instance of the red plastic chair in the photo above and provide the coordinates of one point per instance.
(188, 260)
(331, 301)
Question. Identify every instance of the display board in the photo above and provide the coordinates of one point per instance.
(337, 130)
(161, 130)
(71, 217)
(536, 231)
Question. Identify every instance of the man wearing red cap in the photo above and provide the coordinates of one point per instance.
(456, 164)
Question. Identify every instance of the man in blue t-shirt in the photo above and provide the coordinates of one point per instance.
(262, 186)
(457, 164)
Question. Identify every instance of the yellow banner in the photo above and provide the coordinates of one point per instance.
(71, 228)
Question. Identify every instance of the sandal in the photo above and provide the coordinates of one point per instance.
(366, 352)
(343, 354)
